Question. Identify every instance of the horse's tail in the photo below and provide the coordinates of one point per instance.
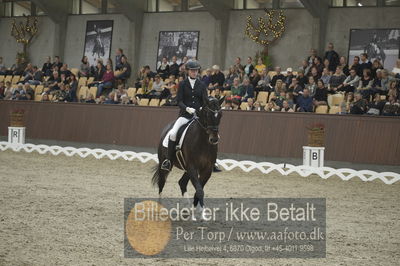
(159, 177)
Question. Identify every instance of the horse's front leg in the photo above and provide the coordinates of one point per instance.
(199, 195)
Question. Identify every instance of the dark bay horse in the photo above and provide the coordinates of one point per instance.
(199, 151)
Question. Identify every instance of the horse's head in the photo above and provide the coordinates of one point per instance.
(210, 117)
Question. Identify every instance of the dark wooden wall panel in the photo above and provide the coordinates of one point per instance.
(362, 139)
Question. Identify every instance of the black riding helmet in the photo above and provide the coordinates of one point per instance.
(192, 64)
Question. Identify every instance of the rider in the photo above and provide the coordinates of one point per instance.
(192, 95)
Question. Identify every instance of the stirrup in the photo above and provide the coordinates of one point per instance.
(166, 165)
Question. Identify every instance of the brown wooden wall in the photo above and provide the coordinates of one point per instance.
(362, 139)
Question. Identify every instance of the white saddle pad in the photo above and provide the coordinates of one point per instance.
(165, 140)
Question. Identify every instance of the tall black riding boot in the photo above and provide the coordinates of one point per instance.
(167, 163)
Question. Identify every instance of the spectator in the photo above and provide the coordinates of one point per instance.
(351, 82)
(349, 100)
(107, 80)
(64, 70)
(47, 66)
(236, 89)
(313, 55)
(125, 71)
(57, 63)
(278, 75)
(326, 76)
(230, 77)
(364, 63)
(289, 76)
(257, 106)
(343, 64)
(375, 107)
(235, 104)
(333, 58)
(8, 89)
(90, 98)
(35, 78)
(385, 81)
(163, 69)
(2, 88)
(238, 64)
(264, 82)
(217, 93)
(375, 66)
(359, 106)
(321, 94)
(228, 104)
(305, 67)
(158, 88)
(314, 73)
(71, 89)
(119, 53)
(356, 66)
(391, 107)
(303, 80)
(305, 102)
(271, 106)
(248, 69)
(217, 78)
(247, 90)
(336, 80)
(206, 79)
(53, 82)
(318, 65)
(172, 98)
(84, 69)
(294, 86)
(250, 104)
(311, 86)
(254, 78)
(260, 66)
(377, 84)
(279, 86)
(98, 72)
(45, 98)
(60, 95)
(365, 84)
(174, 67)
(281, 97)
(286, 107)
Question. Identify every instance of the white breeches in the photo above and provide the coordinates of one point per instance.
(178, 123)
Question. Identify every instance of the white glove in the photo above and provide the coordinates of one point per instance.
(190, 110)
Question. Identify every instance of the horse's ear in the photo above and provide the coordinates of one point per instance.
(221, 100)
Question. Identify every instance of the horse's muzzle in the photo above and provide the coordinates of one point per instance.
(213, 139)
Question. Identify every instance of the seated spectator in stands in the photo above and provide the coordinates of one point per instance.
(311, 86)
(84, 69)
(217, 93)
(250, 104)
(375, 66)
(396, 69)
(391, 107)
(64, 70)
(302, 79)
(45, 98)
(365, 84)
(53, 81)
(294, 87)
(237, 89)
(57, 63)
(377, 84)
(157, 90)
(2, 88)
(124, 73)
(217, 78)
(235, 104)
(333, 58)
(90, 98)
(119, 53)
(288, 77)
(278, 75)
(326, 76)
(348, 99)
(394, 88)
(73, 88)
(264, 84)
(2, 67)
(174, 67)
(257, 106)
(313, 55)
(271, 106)
(280, 98)
(19, 67)
(110, 62)
(107, 80)
(71, 93)
(279, 86)
(7, 88)
(98, 73)
(356, 66)
(343, 64)
(163, 69)
(247, 90)
(351, 82)
(305, 67)
(228, 104)
(286, 107)
(238, 64)
(314, 73)
(184, 61)
(321, 94)
(254, 78)
(60, 95)
(326, 65)
(364, 63)
(47, 66)
(304, 102)
(359, 106)
(248, 68)
(19, 93)
(318, 65)
(147, 86)
(385, 81)
(172, 98)
(375, 107)
(35, 77)
(206, 79)
(28, 90)
(260, 66)
(336, 80)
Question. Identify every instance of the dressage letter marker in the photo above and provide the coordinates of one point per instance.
(16, 135)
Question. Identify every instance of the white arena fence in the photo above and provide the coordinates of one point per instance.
(227, 164)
